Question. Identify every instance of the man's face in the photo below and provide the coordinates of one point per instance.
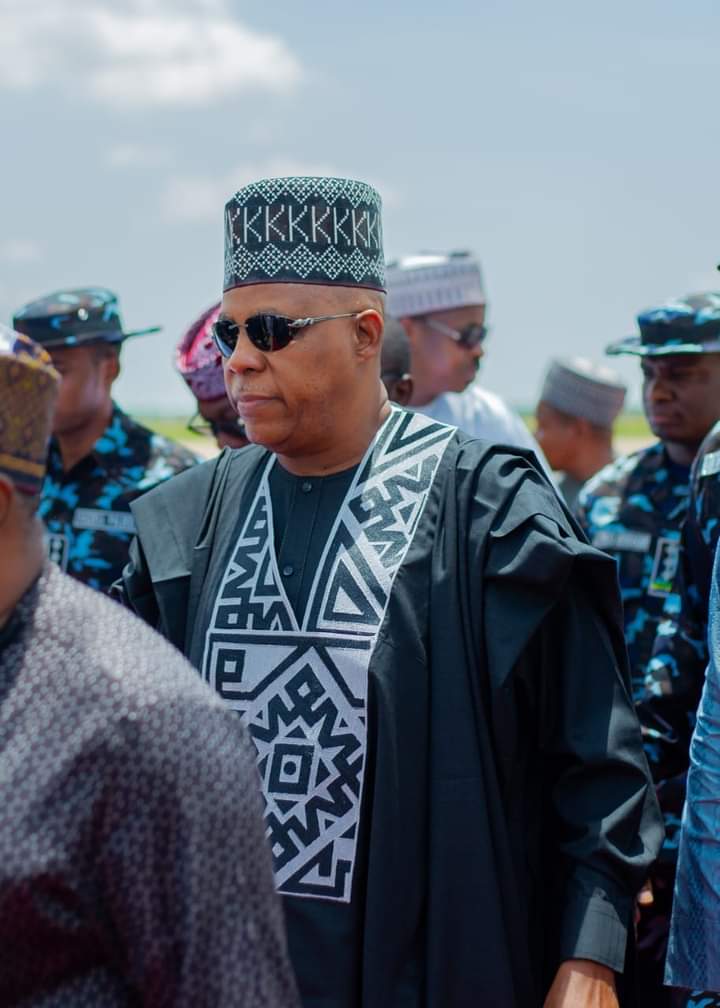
(557, 435)
(224, 420)
(681, 396)
(446, 365)
(298, 401)
(87, 376)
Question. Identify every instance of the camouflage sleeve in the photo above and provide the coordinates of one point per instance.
(693, 959)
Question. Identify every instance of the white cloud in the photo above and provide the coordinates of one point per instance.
(21, 251)
(191, 198)
(131, 53)
(197, 198)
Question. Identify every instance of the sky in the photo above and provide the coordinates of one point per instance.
(573, 146)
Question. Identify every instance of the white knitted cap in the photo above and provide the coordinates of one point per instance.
(581, 388)
(419, 284)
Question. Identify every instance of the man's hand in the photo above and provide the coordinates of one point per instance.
(580, 983)
(645, 898)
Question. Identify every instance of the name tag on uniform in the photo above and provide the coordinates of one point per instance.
(710, 464)
(97, 520)
(667, 554)
(622, 541)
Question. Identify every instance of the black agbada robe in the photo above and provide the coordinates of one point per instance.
(507, 810)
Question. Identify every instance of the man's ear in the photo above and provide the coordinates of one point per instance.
(6, 499)
(369, 334)
(111, 368)
(403, 391)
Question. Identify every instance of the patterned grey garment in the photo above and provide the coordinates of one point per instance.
(133, 864)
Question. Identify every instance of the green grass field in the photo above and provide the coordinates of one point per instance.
(629, 425)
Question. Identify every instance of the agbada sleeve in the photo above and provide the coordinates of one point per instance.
(603, 821)
(553, 623)
(183, 864)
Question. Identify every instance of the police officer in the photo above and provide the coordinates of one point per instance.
(680, 653)
(99, 459)
(634, 509)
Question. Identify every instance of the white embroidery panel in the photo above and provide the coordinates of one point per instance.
(302, 691)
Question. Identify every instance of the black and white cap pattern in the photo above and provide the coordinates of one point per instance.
(305, 230)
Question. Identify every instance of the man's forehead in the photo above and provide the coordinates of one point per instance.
(466, 312)
(669, 362)
(296, 300)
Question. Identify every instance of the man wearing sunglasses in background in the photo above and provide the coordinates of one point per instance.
(100, 458)
(429, 661)
(440, 300)
(199, 362)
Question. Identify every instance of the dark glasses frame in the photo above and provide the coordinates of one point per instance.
(197, 424)
(266, 332)
(470, 336)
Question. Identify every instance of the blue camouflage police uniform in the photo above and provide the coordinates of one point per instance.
(86, 510)
(635, 509)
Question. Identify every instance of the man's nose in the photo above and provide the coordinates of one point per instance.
(658, 389)
(245, 356)
(477, 351)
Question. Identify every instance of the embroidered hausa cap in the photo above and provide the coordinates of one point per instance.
(28, 389)
(432, 282)
(583, 389)
(74, 317)
(689, 325)
(197, 358)
(305, 230)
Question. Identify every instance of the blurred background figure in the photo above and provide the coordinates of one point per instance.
(395, 363)
(578, 405)
(440, 301)
(634, 510)
(99, 458)
(198, 361)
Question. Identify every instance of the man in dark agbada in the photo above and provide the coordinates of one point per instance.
(428, 658)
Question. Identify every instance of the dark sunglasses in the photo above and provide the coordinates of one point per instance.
(266, 332)
(470, 336)
(199, 425)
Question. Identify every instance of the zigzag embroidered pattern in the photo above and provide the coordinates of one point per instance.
(301, 686)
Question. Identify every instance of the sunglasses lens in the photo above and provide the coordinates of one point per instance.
(225, 334)
(473, 335)
(269, 332)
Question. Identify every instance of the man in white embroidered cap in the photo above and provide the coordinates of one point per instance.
(429, 661)
(579, 403)
(440, 300)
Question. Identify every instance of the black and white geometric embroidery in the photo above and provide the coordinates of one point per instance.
(305, 229)
(302, 688)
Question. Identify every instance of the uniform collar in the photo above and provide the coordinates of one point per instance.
(111, 444)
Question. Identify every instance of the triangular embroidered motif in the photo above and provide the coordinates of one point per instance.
(346, 600)
(302, 691)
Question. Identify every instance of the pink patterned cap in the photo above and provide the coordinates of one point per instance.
(197, 358)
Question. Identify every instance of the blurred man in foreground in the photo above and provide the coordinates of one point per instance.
(429, 660)
(99, 458)
(133, 863)
(199, 362)
(578, 405)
